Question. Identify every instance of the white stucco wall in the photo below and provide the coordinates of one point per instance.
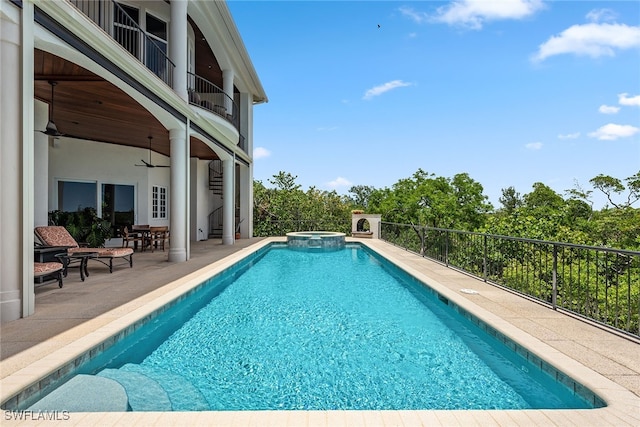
(200, 199)
(77, 160)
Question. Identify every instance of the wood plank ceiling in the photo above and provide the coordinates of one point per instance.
(89, 107)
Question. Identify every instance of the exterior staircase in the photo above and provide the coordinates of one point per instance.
(215, 185)
(215, 176)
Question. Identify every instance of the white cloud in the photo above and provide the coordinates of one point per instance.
(623, 99)
(474, 13)
(601, 15)
(260, 152)
(417, 17)
(339, 182)
(592, 40)
(574, 135)
(533, 146)
(379, 90)
(608, 109)
(611, 132)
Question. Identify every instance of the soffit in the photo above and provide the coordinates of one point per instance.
(91, 108)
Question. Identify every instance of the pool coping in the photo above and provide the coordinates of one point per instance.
(623, 406)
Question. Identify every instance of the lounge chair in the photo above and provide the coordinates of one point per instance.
(41, 269)
(56, 235)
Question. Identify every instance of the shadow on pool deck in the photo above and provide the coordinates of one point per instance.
(60, 309)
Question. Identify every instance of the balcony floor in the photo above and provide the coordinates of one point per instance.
(67, 315)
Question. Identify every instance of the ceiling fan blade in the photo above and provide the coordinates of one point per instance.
(52, 130)
(149, 164)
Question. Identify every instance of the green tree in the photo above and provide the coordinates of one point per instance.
(286, 207)
(426, 199)
(510, 199)
(361, 195)
(611, 186)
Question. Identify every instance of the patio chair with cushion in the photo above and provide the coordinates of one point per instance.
(41, 269)
(57, 235)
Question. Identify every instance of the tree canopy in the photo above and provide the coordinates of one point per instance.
(459, 202)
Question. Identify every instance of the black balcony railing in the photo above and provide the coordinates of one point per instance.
(597, 283)
(115, 21)
(207, 95)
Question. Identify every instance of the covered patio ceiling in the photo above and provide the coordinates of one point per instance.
(89, 107)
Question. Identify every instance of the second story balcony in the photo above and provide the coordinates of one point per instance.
(144, 36)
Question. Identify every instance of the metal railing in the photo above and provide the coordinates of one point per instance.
(207, 95)
(598, 283)
(215, 223)
(280, 227)
(115, 21)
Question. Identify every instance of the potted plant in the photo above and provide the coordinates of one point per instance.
(238, 229)
(84, 225)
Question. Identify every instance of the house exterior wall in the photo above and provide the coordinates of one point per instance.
(107, 164)
(201, 203)
(31, 164)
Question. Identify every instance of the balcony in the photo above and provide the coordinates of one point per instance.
(207, 95)
(117, 21)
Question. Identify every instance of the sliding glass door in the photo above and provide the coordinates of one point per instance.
(118, 206)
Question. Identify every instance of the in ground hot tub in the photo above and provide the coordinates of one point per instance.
(315, 239)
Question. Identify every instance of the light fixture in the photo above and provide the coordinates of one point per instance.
(52, 129)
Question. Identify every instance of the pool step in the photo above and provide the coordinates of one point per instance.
(144, 393)
(184, 396)
(85, 393)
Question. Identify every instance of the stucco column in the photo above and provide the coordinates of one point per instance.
(246, 173)
(228, 217)
(16, 161)
(41, 165)
(178, 196)
(178, 48)
(227, 87)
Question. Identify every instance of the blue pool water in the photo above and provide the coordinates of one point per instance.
(323, 330)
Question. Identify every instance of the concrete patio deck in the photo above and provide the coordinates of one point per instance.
(603, 361)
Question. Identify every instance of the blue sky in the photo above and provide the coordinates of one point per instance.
(511, 92)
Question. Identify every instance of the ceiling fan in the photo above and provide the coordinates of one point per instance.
(149, 164)
(52, 129)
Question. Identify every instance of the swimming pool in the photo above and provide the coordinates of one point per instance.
(328, 373)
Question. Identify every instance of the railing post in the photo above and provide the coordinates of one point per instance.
(422, 235)
(554, 278)
(484, 257)
(446, 248)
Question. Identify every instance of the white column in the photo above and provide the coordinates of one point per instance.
(178, 196)
(178, 46)
(41, 165)
(227, 87)
(16, 161)
(246, 173)
(228, 202)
